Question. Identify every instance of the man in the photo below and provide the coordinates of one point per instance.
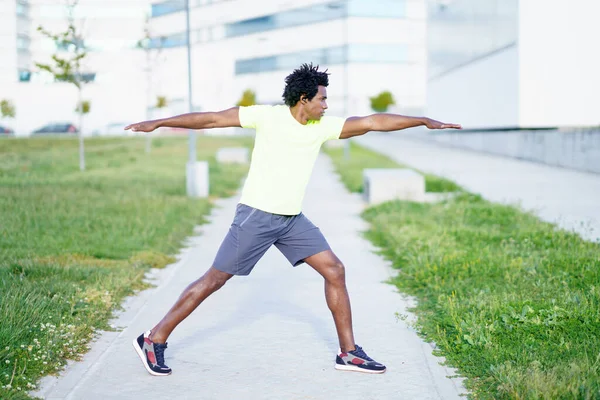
(288, 139)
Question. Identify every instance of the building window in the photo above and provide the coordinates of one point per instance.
(357, 53)
(88, 77)
(165, 42)
(167, 7)
(24, 75)
(68, 45)
(22, 9)
(23, 42)
(85, 77)
(318, 13)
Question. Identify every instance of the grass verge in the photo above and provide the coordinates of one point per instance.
(74, 244)
(510, 301)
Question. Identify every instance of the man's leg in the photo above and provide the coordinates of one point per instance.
(191, 298)
(352, 356)
(331, 268)
(245, 244)
(150, 345)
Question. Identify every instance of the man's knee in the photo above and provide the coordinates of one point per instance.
(336, 272)
(215, 279)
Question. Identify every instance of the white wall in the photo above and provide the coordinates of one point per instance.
(8, 45)
(481, 94)
(559, 63)
(577, 149)
(38, 104)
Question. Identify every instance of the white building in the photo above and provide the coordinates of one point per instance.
(248, 44)
(15, 23)
(514, 63)
(114, 66)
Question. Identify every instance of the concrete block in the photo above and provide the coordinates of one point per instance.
(237, 155)
(336, 144)
(385, 184)
(196, 175)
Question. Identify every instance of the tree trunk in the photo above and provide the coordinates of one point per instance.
(81, 150)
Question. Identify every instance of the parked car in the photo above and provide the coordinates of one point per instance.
(5, 130)
(57, 127)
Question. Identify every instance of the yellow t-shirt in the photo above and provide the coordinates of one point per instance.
(284, 155)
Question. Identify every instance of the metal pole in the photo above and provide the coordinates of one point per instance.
(148, 96)
(193, 170)
(345, 81)
(192, 133)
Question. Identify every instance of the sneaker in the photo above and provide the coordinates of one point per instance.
(152, 355)
(358, 360)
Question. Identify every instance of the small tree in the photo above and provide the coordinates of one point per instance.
(161, 102)
(248, 99)
(382, 101)
(7, 109)
(153, 53)
(68, 69)
(83, 107)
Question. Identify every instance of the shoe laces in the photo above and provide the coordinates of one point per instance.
(159, 351)
(359, 352)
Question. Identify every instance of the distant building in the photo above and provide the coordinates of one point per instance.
(114, 67)
(368, 46)
(15, 41)
(514, 63)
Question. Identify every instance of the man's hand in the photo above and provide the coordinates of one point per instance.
(433, 124)
(144, 126)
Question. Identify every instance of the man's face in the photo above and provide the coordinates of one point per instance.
(317, 106)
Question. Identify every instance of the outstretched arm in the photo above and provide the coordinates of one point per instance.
(198, 120)
(355, 126)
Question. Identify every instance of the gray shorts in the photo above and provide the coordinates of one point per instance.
(252, 233)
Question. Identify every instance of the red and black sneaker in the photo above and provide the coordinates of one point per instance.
(358, 360)
(152, 355)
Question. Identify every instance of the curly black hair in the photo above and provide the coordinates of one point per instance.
(304, 81)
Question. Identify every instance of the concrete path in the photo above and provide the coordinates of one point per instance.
(269, 335)
(566, 197)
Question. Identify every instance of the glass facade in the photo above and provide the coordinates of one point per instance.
(318, 13)
(167, 7)
(22, 8)
(362, 53)
(461, 31)
(165, 42)
(286, 19)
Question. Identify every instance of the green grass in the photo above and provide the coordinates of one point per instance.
(510, 301)
(74, 244)
(350, 169)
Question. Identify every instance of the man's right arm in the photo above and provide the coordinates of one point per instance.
(198, 120)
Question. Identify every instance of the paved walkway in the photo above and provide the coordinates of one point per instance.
(269, 335)
(567, 197)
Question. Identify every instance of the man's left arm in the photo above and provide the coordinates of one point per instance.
(356, 126)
